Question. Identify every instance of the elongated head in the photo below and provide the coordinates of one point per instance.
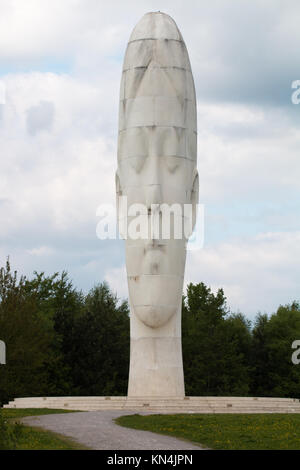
(157, 153)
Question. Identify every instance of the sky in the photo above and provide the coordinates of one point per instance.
(60, 72)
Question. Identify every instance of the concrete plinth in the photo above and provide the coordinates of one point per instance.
(164, 404)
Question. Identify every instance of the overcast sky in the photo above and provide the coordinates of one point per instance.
(61, 62)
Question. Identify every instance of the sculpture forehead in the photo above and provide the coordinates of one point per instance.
(156, 25)
(156, 95)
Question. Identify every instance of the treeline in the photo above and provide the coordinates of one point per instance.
(61, 342)
(225, 355)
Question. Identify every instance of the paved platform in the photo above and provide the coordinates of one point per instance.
(97, 430)
(164, 404)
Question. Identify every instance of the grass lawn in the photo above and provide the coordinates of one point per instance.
(16, 413)
(225, 431)
(33, 438)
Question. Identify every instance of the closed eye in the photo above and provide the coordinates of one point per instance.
(172, 163)
(137, 163)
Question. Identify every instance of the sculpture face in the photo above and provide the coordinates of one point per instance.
(157, 160)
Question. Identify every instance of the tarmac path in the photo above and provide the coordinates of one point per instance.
(98, 431)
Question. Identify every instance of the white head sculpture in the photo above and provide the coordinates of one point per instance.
(157, 159)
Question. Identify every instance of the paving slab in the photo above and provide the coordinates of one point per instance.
(98, 431)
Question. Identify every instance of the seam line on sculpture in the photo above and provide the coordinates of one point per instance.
(157, 67)
(157, 125)
(146, 185)
(137, 245)
(182, 216)
(160, 274)
(156, 156)
(156, 305)
(156, 39)
(123, 159)
(175, 97)
(189, 159)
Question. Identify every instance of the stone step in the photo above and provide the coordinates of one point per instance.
(188, 410)
(158, 404)
(80, 400)
(167, 398)
(147, 399)
(145, 405)
(164, 404)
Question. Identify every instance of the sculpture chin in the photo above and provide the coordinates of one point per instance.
(155, 316)
(155, 298)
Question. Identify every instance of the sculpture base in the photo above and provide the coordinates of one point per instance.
(164, 404)
(156, 367)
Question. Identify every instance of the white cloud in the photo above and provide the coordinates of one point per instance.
(117, 280)
(41, 251)
(245, 152)
(40, 117)
(58, 159)
(60, 176)
(258, 273)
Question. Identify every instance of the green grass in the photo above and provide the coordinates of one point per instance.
(9, 413)
(38, 439)
(23, 437)
(225, 431)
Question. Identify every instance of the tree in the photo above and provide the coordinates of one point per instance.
(99, 353)
(59, 305)
(27, 341)
(62, 342)
(274, 374)
(215, 344)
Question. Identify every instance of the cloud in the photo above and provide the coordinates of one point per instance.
(54, 180)
(58, 139)
(240, 51)
(41, 251)
(40, 117)
(117, 280)
(240, 153)
(257, 273)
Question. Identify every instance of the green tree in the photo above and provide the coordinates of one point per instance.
(216, 344)
(27, 341)
(60, 342)
(59, 305)
(273, 373)
(99, 351)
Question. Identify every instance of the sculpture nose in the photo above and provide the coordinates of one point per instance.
(153, 202)
(153, 195)
(153, 187)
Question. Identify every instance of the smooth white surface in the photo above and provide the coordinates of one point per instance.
(157, 153)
